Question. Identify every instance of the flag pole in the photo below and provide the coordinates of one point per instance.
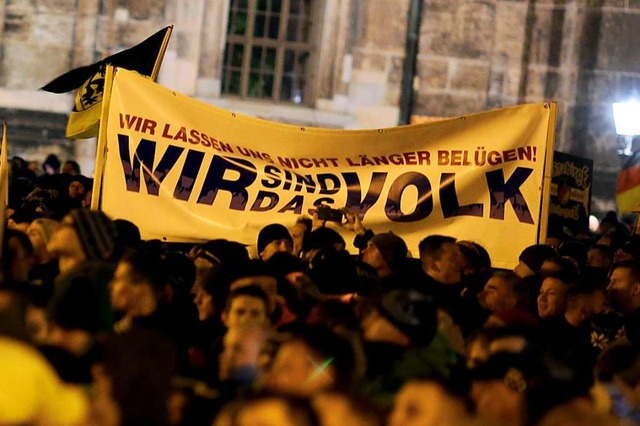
(4, 186)
(161, 52)
(547, 174)
(101, 149)
(4, 164)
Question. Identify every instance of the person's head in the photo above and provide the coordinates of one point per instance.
(532, 258)
(268, 410)
(51, 164)
(574, 250)
(623, 290)
(78, 187)
(552, 297)
(337, 408)
(219, 252)
(286, 267)
(476, 260)
(84, 235)
(321, 239)
(314, 359)
(246, 305)
(272, 239)
(583, 303)
(240, 359)
(384, 252)
(562, 265)
(500, 382)
(429, 401)
(138, 283)
(600, 256)
(298, 232)
(40, 233)
(80, 307)
(17, 256)
(504, 290)
(127, 235)
(441, 258)
(405, 317)
(210, 290)
(618, 371)
(70, 167)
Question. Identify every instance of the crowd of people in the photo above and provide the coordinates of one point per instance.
(99, 327)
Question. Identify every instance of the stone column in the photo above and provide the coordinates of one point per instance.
(213, 40)
(182, 60)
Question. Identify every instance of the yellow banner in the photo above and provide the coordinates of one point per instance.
(183, 170)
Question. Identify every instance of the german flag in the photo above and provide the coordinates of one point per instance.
(628, 188)
(144, 58)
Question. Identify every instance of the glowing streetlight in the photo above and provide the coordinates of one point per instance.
(626, 116)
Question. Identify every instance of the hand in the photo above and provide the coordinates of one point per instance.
(353, 222)
(315, 222)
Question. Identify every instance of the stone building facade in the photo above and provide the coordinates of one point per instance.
(473, 55)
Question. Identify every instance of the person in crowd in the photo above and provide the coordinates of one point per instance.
(617, 374)
(83, 235)
(385, 253)
(584, 302)
(244, 359)
(399, 330)
(299, 231)
(78, 188)
(51, 165)
(45, 267)
(552, 298)
(431, 401)
(499, 382)
(600, 256)
(442, 262)
(40, 232)
(576, 251)
(337, 408)
(246, 305)
(70, 167)
(312, 360)
(503, 291)
(78, 313)
(137, 289)
(623, 293)
(18, 256)
(268, 410)
(532, 259)
(272, 239)
(321, 239)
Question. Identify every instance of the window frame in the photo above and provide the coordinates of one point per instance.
(281, 45)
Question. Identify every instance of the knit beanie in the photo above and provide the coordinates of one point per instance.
(535, 255)
(272, 232)
(392, 248)
(282, 264)
(322, 238)
(412, 312)
(81, 299)
(224, 252)
(97, 233)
